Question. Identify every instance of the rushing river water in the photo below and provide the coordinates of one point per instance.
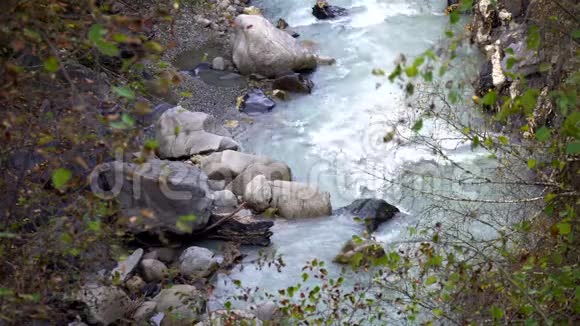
(333, 138)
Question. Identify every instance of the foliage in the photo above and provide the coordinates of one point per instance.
(73, 91)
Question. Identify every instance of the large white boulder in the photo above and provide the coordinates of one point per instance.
(260, 47)
(292, 199)
(182, 133)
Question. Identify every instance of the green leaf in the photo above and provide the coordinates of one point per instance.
(503, 140)
(228, 305)
(496, 312)
(96, 33)
(431, 280)
(108, 48)
(438, 312)
(151, 144)
(5, 292)
(543, 134)
(411, 71)
(60, 177)
(417, 126)
(128, 120)
(51, 64)
(531, 163)
(454, 17)
(533, 39)
(95, 226)
(529, 99)
(509, 51)
(564, 228)
(576, 34)
(396, 73)
(124, 92)
(511, 61)
(573, 148)
(185, 223)
(490, 98)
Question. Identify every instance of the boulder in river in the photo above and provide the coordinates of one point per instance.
(182, 133)
(256, 102)
(372, 211)
(158, 193)
(359, 252)
(295, 83)
(292, 199)
(272, 171)
(260, 47)
(322, 10)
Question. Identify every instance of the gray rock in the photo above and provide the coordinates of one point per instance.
(256, 102)
(153, 270)
(165, 190)
(219, 166)
(372, 211)
(292, 199)
(225, 199)
(106, 304)
(327, 11)
(325, 61)
(182, 133)
(135, 285)
(181, 304)
(272, 171)
(197, 262)
(166, 255)
(293, 83)
(218, 63)
(126, 267)
(145, 312)
(259, 47)
(267, 311)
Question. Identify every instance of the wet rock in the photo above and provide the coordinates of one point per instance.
(359, 253)
(106, 304)
(325, 61)
(251, 10)
(261, 48)
(197, 262)
(144, 313)
(243, 228)
(295, 83)
(126, 267)
(256, 102)
(181, 304)
(218, 63)
(322, 10)
(200, 68)
(372, 211)
(182, 133)
(272, 171)
(232, 162)
(157, 193)
(292, 199)
(153, 270)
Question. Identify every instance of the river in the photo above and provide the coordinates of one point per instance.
(333, 138)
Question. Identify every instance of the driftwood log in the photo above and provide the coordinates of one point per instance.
(240, 228)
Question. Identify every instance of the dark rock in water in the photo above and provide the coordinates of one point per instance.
(283, 25)
(452, 2)
(485, 82)
(256, 102)
(241, 229)
(322, 10)
(296, 83)
(195, 72)
(372, 211)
